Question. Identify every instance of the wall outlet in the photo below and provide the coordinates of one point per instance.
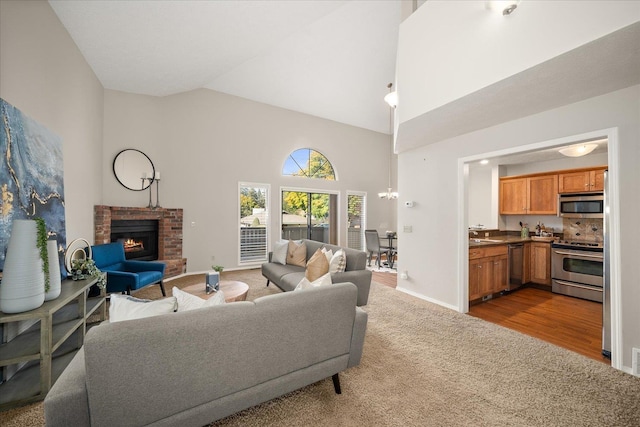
(404, 275)
(407, 229)
(635, 361)
(487, 234)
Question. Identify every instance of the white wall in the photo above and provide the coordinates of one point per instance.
(204, 142)
(434, 50)
(480, 197)
(430, 176)
(43, 73)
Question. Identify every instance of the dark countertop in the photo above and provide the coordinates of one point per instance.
(502, 240)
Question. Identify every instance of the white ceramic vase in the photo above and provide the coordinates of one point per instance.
(22, 287)
(54, 271)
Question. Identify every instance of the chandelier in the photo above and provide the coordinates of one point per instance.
(392, 99)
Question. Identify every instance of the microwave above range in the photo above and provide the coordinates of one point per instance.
(584, 205)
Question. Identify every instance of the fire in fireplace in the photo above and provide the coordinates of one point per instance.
(139, 238)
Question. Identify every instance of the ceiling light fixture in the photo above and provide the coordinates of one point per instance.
(505, 8)
(390, 195)
(484, 162)
(392, 97)
(577, 150)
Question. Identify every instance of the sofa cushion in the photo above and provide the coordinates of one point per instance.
(280, 250)
(126, 307)
(289, 281)
(317, 266)
(275, 272)
(297, 254)
(356, 260)
(338, 262)
(187, 301)
(327, 253)
(307, 284)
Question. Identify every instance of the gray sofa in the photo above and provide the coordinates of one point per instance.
(287, 277)
(194, 367)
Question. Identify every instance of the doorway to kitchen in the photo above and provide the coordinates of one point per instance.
(527, 301)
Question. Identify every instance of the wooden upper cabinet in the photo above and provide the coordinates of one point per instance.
(535, 195)
(581, 181)
(543, 195)
(513, 196)
(597, 180)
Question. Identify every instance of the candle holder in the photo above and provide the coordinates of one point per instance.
(157, 181)
(150, 206)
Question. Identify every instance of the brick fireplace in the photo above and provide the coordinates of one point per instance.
(169, 231)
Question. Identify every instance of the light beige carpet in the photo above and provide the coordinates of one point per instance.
(424, 365)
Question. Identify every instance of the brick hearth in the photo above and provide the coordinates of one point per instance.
(169, 231)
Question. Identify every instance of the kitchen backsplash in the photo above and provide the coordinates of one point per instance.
(589, 230)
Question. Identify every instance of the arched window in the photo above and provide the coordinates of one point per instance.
(308, 163)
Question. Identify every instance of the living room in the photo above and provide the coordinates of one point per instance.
(191, 136)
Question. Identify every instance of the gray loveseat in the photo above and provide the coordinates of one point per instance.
(195, 367)
(287, 277)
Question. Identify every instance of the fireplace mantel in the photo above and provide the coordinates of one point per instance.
(169, 231)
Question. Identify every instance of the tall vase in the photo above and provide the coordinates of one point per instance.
(54, 271)
(22, 287)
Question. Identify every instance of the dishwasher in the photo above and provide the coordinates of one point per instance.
(516, 266)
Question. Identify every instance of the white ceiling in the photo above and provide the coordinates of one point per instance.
(331, 59)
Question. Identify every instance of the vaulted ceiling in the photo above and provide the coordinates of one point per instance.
(331, 59)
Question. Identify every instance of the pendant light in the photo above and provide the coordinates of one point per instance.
(392, 99)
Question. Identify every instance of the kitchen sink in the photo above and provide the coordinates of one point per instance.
(486, 240)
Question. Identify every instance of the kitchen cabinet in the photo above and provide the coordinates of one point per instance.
(47, 347)
(580, 181)
(531, 195)
(526, 263)
(488, 271)
(540, 263)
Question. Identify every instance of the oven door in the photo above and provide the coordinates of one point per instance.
(582, 267)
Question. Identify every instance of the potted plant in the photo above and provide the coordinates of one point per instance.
(86, 267)
(217, 268)
(41, 243)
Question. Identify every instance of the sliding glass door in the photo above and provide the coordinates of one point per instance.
(307, 215)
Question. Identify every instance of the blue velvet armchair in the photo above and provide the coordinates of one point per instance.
(126, 275)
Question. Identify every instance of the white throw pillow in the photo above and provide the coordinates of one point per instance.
(328, 253)
(321, 281)
(187, 302)
(338, 262)
(279, 254)
(126, 307)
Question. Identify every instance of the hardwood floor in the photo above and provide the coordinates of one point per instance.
(387, 279)
(567, 322)
(571, 323)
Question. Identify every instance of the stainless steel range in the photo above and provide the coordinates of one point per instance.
(577, 268)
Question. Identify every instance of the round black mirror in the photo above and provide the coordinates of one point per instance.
(133, 169)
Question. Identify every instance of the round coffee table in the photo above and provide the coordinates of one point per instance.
(232, 289)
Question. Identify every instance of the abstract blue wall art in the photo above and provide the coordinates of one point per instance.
(31, 177)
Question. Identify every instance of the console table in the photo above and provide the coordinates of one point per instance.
(48, 346)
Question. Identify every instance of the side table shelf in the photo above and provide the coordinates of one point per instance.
(48, 346)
